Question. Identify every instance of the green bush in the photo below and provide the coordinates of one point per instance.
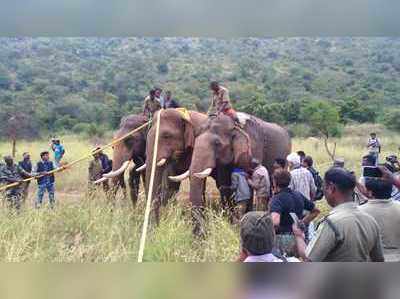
(391, 119)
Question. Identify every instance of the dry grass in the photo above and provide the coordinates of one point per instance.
(82, 230)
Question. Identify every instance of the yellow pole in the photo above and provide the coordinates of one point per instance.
(150, 192)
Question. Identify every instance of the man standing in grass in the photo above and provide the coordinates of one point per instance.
(58, 150)
(26, 165)
(11, 173)
(374, 147)
(45, 182)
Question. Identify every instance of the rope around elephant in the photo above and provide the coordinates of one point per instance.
(69, 165)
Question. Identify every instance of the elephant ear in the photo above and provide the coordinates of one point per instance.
(241, 149)
(188, 135)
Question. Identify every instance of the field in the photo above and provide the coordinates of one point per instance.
(92, 230)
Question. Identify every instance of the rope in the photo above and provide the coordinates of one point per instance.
(150, 193)
(69, 165)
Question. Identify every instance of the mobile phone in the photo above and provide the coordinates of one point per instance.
(372, 172)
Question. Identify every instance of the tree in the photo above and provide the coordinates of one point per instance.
(391, 119)
(324, 118)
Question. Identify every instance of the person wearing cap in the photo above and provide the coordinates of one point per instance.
(302, 180)
(11, 173)
(338, 162)
(260, 183)
(385, 211)
(347, 234)
(97, 167)
(257, 239)
(45, 182)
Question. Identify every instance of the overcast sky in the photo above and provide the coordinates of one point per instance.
(217, 18)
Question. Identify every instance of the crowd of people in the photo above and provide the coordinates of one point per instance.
(361, 226)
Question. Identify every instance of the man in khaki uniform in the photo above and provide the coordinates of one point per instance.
(95, 172)
(346, 234)
(151, 104)
(386, 212)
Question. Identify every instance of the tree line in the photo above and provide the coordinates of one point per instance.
(54, 85)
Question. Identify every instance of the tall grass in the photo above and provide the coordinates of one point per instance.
(94, 230)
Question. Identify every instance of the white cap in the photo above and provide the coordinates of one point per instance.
(294, 158)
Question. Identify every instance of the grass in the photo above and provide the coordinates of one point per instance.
(83, 230)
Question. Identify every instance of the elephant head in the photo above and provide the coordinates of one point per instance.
(176, 141)
(221, 145)
(132, 148)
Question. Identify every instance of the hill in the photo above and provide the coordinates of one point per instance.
(86, 84)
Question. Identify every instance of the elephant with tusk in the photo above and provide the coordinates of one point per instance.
(176, 141)
(129, 155)
(221, 145)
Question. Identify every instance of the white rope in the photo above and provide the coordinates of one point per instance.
(150, 192)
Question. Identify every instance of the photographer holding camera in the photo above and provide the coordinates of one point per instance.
(384, 210)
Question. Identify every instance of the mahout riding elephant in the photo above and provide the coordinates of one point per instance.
(221, 144)
(175, 147)
(131, 151)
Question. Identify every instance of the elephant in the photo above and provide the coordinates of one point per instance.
(222, 144)
(176, 141)
(132, 149)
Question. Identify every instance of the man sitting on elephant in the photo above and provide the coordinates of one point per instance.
(220, 102)
(151, 104)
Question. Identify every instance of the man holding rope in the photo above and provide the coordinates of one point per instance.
(12, 173)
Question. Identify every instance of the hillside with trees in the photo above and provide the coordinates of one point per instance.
(51, 85)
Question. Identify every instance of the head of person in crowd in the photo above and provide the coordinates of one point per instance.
(257, 235)
(254, 163)
(308, 162)
(57, 141)
(279, 163)
(373, 135)
(302, 155)
(152, 94)
(214, 86)
(368, 160)
(339, 186)
(293, 161)
(168, 95)
(338, 163)
(281, 180)
(157, 92)
(378, 188)
(96, 153)
(8, 160)
(26, 156)
(45, 156)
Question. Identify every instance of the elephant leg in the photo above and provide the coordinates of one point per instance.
(134, 182)
(197, 187)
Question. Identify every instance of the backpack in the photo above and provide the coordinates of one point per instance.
(319, 194)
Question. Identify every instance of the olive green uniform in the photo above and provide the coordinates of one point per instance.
(346, 235)
(95, 173)
(386, 212)
(7, 176)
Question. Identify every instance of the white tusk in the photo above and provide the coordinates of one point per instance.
(118, 172)
(100, 180)
(180, 178)
(161, 162)
(205, 173)
(131, 165)
(141, 168)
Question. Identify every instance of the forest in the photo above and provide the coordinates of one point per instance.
(85, 85)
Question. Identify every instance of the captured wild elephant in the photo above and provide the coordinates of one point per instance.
(221, 144)
(176, 141)
(132, 149)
